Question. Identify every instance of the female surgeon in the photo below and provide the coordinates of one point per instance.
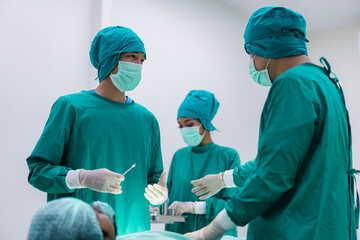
(200, 158)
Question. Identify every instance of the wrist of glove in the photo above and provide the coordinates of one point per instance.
(183, 207)
(208, 186)
(211, 232)
(101, 180)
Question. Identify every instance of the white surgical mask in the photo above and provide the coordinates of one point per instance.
(191, 135)
(260, 77)
(128, 76)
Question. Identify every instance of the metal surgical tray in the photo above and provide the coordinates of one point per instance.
(163, 214)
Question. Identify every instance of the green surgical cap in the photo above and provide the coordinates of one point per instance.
(107, 46)
(200, 104)
(65, 219)
(275, 32)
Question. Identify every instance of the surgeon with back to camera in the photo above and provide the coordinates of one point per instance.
(302, 185)
(92, 137)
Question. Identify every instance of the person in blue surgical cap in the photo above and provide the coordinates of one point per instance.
(302, 183)
(92, 137)
(106, 217)
(201, 157)
(71, 218)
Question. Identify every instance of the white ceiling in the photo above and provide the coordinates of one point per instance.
(319, 14)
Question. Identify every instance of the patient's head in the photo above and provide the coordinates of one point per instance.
(106, 217)
(70, 218)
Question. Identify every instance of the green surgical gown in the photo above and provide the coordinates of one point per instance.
(191, 163)
(87, 131)
(300, 188)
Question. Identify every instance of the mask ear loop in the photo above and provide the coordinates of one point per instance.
(204, 129)
(267, 64)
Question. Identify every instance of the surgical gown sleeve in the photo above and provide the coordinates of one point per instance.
(46, 171)
(156, 164)
(216, 204)
(242, 172)
(286, 131)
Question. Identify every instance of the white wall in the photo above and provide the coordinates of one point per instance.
(191, 44)
(44, 49)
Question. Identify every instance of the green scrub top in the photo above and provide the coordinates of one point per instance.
(300, 188)
(87, 131)
(191, 163)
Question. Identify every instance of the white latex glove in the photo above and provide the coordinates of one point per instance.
(211, 232)
(157, 193)
(183, 207)
(210, 184)
(101, 180)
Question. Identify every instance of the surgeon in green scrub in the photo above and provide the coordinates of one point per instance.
(302, 183)
(201, 157)
(92, 137)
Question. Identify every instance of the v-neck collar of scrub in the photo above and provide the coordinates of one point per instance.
(203, 149)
